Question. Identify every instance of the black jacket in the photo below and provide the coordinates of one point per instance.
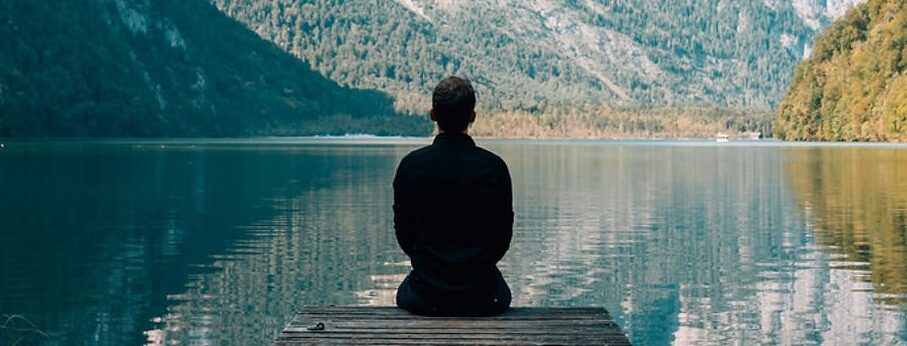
(453, 216)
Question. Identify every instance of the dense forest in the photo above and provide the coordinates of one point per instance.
(166, 68)
(536, 56)
(646, 68)
(854, 86)
(631, 122)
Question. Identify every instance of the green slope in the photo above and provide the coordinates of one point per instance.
(165, 68)
(854, 86)
(535, 56)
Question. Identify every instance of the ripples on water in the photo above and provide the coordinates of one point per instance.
(219, 242)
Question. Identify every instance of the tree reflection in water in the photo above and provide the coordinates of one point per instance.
(686, 243)
(857, 202)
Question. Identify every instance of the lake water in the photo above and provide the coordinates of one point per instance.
(219, 242)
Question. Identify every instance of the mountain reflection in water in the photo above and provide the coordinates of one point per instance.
(213, 242)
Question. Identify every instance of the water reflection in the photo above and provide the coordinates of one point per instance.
(209, 243)
(669, 238)
(857, 202)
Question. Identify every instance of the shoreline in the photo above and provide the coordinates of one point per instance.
(142, 142)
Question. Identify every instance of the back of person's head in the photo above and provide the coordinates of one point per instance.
(453, 103)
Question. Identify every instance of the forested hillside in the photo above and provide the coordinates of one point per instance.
(590, 68)
(534, 56)
(165, 68)
(854, 85)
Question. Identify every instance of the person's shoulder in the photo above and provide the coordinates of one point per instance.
(418, 154)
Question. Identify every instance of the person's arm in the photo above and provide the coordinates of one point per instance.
(403, 210)
(504, 232)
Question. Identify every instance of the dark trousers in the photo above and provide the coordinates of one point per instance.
(492, 304)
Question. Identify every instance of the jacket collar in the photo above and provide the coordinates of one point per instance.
(454, 138)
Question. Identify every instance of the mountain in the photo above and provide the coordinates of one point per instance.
(854, 86)
(576, 68)
(538, 55)
(165, 68)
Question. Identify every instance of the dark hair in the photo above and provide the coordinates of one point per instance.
(453, 101)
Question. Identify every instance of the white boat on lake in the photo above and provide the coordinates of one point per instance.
(722, 138)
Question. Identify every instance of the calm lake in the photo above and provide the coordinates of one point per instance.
(219, 242)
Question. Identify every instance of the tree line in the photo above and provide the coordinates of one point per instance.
(853, 87)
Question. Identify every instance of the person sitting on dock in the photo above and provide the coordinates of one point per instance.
(453, 215)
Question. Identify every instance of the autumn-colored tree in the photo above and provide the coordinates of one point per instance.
(853, 87)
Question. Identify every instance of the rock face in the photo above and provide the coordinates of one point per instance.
(155, 68)
(853, 87)
(816, 13)
(187, 68)
(532, 54)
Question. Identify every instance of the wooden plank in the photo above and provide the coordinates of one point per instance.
(444, 339)
(430, 331)
(390, 310)
(517, 325)
(393, 326)
(394, 342)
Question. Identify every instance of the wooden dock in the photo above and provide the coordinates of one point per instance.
(393, 326)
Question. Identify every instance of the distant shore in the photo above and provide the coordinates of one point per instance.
(10, 144)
